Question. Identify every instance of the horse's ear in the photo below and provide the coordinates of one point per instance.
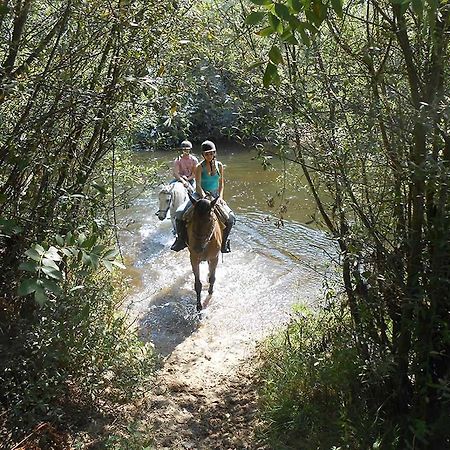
(213, 203)
(191, 198)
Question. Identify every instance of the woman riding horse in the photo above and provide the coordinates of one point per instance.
(184, 166)
(209, 179)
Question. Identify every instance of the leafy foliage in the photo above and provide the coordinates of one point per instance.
(69, 76)
(365, 110)
(202, 89)
(317, 393)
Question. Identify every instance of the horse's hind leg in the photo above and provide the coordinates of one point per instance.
(212, 274)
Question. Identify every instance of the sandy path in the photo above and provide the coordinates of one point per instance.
(205, 395)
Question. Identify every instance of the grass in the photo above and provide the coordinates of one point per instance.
(315, 391)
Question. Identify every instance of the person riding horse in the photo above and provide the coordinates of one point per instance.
(184, 166)
(209, 180)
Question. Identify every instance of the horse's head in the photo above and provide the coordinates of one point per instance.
(203, 222)
(203, 207)
(164, 198)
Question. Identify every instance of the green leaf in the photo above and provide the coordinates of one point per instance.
(270, 75)
(52, 253)
(111, 254)
(304, 35)
(254, 17)
(100, 188)
(311, 27)
(49, 263)
(81, 239)
(108, 265)
(94, 260)
(295, 5)
(118, 264)
(59, 240)
(39, 296)
(52, 272)
(275, 23)
(70, 238)
(39, 249)
(98, 249)
(255, 65)
(51, 286)
(10, 226)
(289, 38)
(305, 38)
(337, 6)
(29, 266)
(26, 287)
(69, 252)
(294, 23)
(318, 12)
(261, 2)
(33, 254)
(85, 258)
(282, 11)
(275, 55)
(265, 31)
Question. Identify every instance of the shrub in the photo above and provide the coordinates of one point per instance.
(316, 392)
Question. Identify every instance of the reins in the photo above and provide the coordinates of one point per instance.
(169, 192)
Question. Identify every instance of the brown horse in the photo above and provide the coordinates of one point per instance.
(204, 241)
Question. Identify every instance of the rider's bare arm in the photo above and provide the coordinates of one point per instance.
(198, 180)
(221, 181)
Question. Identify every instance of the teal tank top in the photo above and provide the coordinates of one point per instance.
(209, 182)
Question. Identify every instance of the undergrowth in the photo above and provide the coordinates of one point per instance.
(79, 359)
(317, 393)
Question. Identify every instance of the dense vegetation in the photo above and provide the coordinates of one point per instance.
(356, 94)
(68, 79)
(369, 124)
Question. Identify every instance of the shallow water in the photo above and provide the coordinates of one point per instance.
(268, 270)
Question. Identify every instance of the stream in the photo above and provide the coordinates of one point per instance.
(270, 268)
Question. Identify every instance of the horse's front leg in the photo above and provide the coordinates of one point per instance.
(212, 264)
(197, 283)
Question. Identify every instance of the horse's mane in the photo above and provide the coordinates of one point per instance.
(202, 208)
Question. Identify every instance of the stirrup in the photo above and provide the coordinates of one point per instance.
(178, 245)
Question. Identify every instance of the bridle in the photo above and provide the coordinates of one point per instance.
(200, 237)
(164, 211)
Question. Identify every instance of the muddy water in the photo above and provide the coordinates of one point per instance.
(269, 270)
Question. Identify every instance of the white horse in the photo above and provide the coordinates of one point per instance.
(170, 198)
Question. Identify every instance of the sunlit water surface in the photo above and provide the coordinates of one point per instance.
(269, 269)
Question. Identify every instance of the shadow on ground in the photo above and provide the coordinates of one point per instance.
(171, 318)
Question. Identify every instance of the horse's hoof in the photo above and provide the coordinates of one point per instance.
(210, 291)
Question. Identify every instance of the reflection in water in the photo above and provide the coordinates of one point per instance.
(268, 270)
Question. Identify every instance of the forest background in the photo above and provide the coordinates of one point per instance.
(355, 93)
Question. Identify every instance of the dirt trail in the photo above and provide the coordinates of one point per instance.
(204, 399)
(205, 395)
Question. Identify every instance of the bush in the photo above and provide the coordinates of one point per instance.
(316, 392)
(79, 352)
